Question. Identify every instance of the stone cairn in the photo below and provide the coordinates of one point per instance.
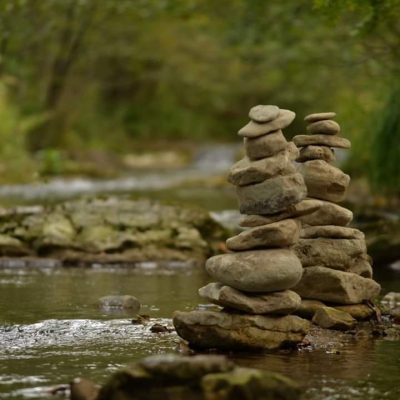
(254, 279)
(337, 268)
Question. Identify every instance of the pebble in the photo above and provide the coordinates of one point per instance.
(325, 127)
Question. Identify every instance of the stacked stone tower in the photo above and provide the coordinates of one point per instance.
(254, 279)
(337, 268)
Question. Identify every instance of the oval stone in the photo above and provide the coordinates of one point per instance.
(263, 113)
(319, 116)
(325, 127)
(257, 271)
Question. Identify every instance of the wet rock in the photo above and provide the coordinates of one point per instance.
(391, 299)
(308, 308)
(227, 331)
(327, 213)
(256, 271)
(284, 302)
(331, 232)
(332, 318)
(271, 196)
(246, 172)
(83, 389)
(12, 246)
(262, 113)
(324, 181)
(326, 284)
(357, 311)
(265, 146)
(316, 153)
(126, 302)
(395, 313)
(254, 129)
(305, 207)
(324, 127)
(278, 234)
(322, 140)
(158, 328)
(319, 116)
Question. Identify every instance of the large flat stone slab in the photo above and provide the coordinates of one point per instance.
(322, 140)
(331, 232)
(284, 302)
(256, 271)
(326, 284)
(226, 331)
(265, 146)
(271, 196)
(278, 234)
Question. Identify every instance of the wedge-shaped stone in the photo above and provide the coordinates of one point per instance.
(316, 153)
(324, 181)
(228, 331)
(254, 129)
(327, 213)
(331, 232)
(271, 196)
(339, 287)
(262, 113)
(333, 253)
(278, 234)
(320, 116)
(306, 206)
(324, 127)
(284, 302)
(322, 140)
(361, 266)
(256, 271)
(357, 311)
(246, 172)
(265, 146)
(332, 318)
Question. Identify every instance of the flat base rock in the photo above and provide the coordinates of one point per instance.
(271, 196)
(316, 153)
(326, 284)
(284, 302)
(331, 318)
(257, 271)
(225, 331)
(265, 146)
(324, 181)
(278, 234)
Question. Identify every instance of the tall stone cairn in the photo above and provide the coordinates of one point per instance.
(337, 268)
(254, 279)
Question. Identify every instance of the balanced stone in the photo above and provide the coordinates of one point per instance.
(271, 196)
(265, 146)
(263, 113)
(246, 172)
(284, 302)
(332, 253)
(316, 153)
(228, 331)
(340, 287)
(327, 214)
(319, 116)
(308, 308)
(305, 207)
(332, 318)
(331, 231)
(324, 127)
(257, 270)
(357, 311)
(322, 140)
(324, 181)
(278, 234)
(293, 151)
(254, 129)
(361, 266)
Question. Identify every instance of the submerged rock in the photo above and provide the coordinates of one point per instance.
(126, 302)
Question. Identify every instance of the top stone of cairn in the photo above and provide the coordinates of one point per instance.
(263, 113)
(319, 116)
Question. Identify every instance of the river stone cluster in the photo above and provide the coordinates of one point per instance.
(253, 281)
(337, 268)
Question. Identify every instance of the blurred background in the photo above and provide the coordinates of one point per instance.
(99, 88)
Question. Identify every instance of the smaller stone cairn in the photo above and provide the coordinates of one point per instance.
(254, 279)
(337, 268)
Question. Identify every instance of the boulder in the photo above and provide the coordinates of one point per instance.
(126, 302)
(284, 302)
(332, 318)
(316, 153)
(322, 140)
(278, 234)
(246, 172)
(305, 207)
(320, 116)
(228, 331)
(265, 146)
(327, 213)
(324, 181)
(326, 284)
(262, 113)
(256, 271)
(331, 232)
(271, 196)
(324, 127)
(254, 129)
